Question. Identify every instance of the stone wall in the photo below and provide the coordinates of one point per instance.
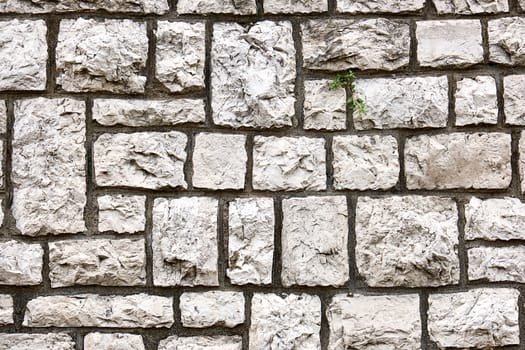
(178, 175)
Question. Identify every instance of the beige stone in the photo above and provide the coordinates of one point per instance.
(215, 308)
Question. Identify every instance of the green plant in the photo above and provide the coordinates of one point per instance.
(346, 80)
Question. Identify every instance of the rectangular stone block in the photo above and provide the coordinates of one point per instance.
(35, 341)
(295, 6)
(121, 213)
(243, 7)
(20, 263)
(379, 6)
(114, 341)
(323, 108)
(6, 309)
(219, 342)
(476, 101)
(466, 7)
(3, 116)
(513, 96)
(507, 40)
(157, 7)
(215, 308)
(497, 264)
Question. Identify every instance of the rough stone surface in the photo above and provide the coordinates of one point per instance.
(185, 241)
(371, 6)
(449, 43)
(323, 108)
(6, 309)
(408, 241)
(219, 161)
(23, 49)
(295, 6)
(285, 322)
(148, 112)
(458, 160)
(216, 308)
(143, 159)
(419, 102)
(497, 264)
(238, 7)
(107, 55)
(201, 343)
(114, 341)
(121, 213)
(253, 74)
(43, 6)
(3, 116)
(289, 163)
(374, 322)
(20, 263)
(339, 44)
(49, 161)
(251, 235)
(476, 101)
(103, 262)
(314, 241)
(506, 40)
(467, 7)
(495, 219)
(180, 55)
(35, 341)
(90, 310)
(480, 318)
(514, 95)
(365, 162)
(522, 160)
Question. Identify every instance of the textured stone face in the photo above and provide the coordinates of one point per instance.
(323, 108)
(251, 234)
(294, 6)
(506, 40)
(449, 43)
(185, 241)
(115, 341)
(43, 6)
(366, 6)
(23, 49)
(49, 166)
(20, 263)
(285, 322)
(121, 213)
(253, 74)
(147, 112)
(3, 116)
(180, 55)
(90, 310)
(374, 322)
(497, 264)
(476, 101)
(408, 241)
(119, 262)
(289, 163)
(219, 161)
(314, 241)
(365, 162)
(403, 103)
(238, 7)
(143, 159)
(35, 341)
(458, 160)
(467, 7)
(363, 44)
(6, 309)
(201, 343)
(201, 310)
(514, 95)
(107, 55)
(480, 318)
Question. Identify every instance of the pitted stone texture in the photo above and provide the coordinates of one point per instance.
(289, 163)
(253, 74)
(23, 49)
(216, 308)
(158, 7)
(219, 161)
(180, 55)
(2, 181)
(237, 7)
(365, 162)
(476, 101)
(374, 322)
(479, 318)
(408, 241)
(6, 309)
(387, 6)
(114, 341)
(497, 264)
(295, 6)
(91, 310)
(522, 4)
(458, 160)
(185, 241)
(323, 108)
(419, 102)
(495, 219)
(201, 343)
(3, 116)
(148, 112)
(467, 7)
(339, 44)
(144, 159)
(449, 43)
(285, 322)
(314, 241)
(49, 160)
(20, 263)
(522, 160)
(121, 213)
(108, 55)
(35, 341)
(251, 235)
(514, 95)
(506, 40)
(102, 262)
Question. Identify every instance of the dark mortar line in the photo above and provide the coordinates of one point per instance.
(324, 333)
(485, 40)
(188, 164)
(353, 274)
(79, 341)
(299, 80)
(430, 10)
(173, 4)
(329, 164)
(222, 225)
(247, 320)
(402, 182)
(9, 224)
(423, 309)
(515, 184)
(452, 87)
(150, 69)
(462, 251)
(208, 39)
(52, 24)
(521, 317)
(91, 208)
(277, 252)
(148, 238)
(413, 64)
(248, 183)
(332, 7)
(350, 127)
(500, 92)
(260, 9)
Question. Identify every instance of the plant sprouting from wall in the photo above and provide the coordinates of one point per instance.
(346, 80)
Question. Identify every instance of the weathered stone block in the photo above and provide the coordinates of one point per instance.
(20, 263)
(237, 7)
(506, 40)
(387, 6)
(202, 343)
(295, 6)
(476, 101)
(323, 108)
(35, 341)
(3, 116)
(114, 341)
(158, 7)
(513, 96)
(6, 309)
(497, 264)
(216, 308)
(121, 213)
(467, 7)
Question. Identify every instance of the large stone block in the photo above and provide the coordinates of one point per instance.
(237, 7)
(158, 7)
(121, 213)
(114, 341)
(497, 264)
(513, 96)
(216, 308)
(374, 6)
(323, 108)
(218, 342)
(507, 40)
(295, 6)
(476, 101)
(20, 263)
(6, 310)
(35, 341)
(467, 7)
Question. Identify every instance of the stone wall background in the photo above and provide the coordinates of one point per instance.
(177, 175)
